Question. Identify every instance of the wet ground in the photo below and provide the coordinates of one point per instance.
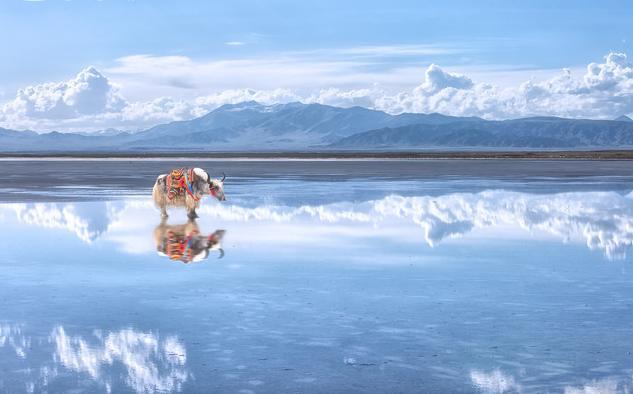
(353, 276)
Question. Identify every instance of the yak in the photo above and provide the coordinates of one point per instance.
(184, 187)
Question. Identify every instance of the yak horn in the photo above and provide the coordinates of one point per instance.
(223, 177)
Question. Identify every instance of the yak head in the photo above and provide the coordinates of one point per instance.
(214, 187)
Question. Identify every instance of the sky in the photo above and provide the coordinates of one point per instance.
(90, 65)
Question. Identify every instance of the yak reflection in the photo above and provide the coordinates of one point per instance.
(185, 243)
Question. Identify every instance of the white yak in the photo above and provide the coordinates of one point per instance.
(184, 188)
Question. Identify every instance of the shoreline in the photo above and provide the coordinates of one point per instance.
(326, 155)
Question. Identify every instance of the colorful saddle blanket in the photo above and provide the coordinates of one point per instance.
(179, 183)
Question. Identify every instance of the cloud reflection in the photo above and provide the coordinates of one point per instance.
(602, 386)
(86, 221)
(498, 382)
(141, 361)
(603, 220)
(11, 337)
(494, 382)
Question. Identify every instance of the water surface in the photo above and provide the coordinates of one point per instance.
(392, 276)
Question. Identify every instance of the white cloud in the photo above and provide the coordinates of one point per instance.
(160, 110)
(235, 43)
(615, 71)
(347, 98)
(89, 93)
(234, 96)
(437, 79)
(604, 91)
(183, 89)
(164, 75)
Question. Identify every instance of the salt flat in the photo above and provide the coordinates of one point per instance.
(387, 276)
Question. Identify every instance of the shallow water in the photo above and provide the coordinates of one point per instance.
(330, 277)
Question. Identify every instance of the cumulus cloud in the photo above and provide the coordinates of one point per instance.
(437, 79)
(89, 93)
(91, 101)
(604, 91)
(347, 98)
(159, 110)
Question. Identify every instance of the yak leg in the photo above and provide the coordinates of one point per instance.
(191, 213)
(191, 205)
(163, 212)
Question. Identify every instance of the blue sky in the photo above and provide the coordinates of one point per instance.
(328, 44)
(54, 39)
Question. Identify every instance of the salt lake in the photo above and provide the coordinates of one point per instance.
(322, 276)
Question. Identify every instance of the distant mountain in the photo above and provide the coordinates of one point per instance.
(533, 133)
(250, 126)
(253, 126)
(623, 118)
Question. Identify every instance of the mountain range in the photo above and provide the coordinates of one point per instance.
(250, 126)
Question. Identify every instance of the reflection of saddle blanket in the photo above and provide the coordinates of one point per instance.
(179, 182)
(178, 246)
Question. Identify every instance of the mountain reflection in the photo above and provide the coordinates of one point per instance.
(142, 361)
(185, 243)
(602, 220)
